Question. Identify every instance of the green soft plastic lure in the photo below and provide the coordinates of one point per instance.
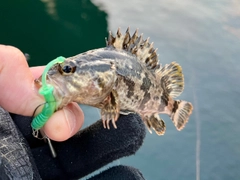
(47, 91)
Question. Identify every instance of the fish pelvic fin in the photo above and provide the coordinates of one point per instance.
(171, 79)
(135, 45)
(180, 113)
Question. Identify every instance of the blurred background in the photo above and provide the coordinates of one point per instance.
(202, 36)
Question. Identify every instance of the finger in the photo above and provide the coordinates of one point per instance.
(18, 92)
(37, 71)
(64, 123)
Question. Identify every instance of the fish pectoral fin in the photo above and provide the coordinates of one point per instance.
(156, 123)
(180, 113)
(110, 109)
(171, 79)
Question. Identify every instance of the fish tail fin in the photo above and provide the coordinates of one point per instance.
(172, 83)
(180, 113)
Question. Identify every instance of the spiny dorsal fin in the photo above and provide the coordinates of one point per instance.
(171, 78)
(135, 45)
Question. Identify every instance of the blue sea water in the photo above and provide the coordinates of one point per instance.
(202, 36)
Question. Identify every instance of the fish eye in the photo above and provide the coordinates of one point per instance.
(66, 70)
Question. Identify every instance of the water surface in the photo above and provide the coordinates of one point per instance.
(204, 37)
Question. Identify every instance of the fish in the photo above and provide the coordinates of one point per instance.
(124, 77)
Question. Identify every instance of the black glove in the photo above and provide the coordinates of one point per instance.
(24, 157)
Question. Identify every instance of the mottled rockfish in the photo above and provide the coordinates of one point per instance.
(124, 77)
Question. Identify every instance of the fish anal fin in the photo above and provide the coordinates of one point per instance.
(171, 79)
(156, 123)
(180, 113)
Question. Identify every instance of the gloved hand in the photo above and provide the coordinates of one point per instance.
(24, 157)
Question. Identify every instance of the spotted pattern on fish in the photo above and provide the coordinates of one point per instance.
(123, 77)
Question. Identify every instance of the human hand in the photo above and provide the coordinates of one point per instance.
(78, 156)
(24, 157)
(19, 95)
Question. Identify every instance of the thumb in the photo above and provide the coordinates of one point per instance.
(64, 123)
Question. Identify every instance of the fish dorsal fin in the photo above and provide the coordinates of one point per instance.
(135, 44)
(171, 79)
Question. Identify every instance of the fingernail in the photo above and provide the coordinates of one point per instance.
(70, 118)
